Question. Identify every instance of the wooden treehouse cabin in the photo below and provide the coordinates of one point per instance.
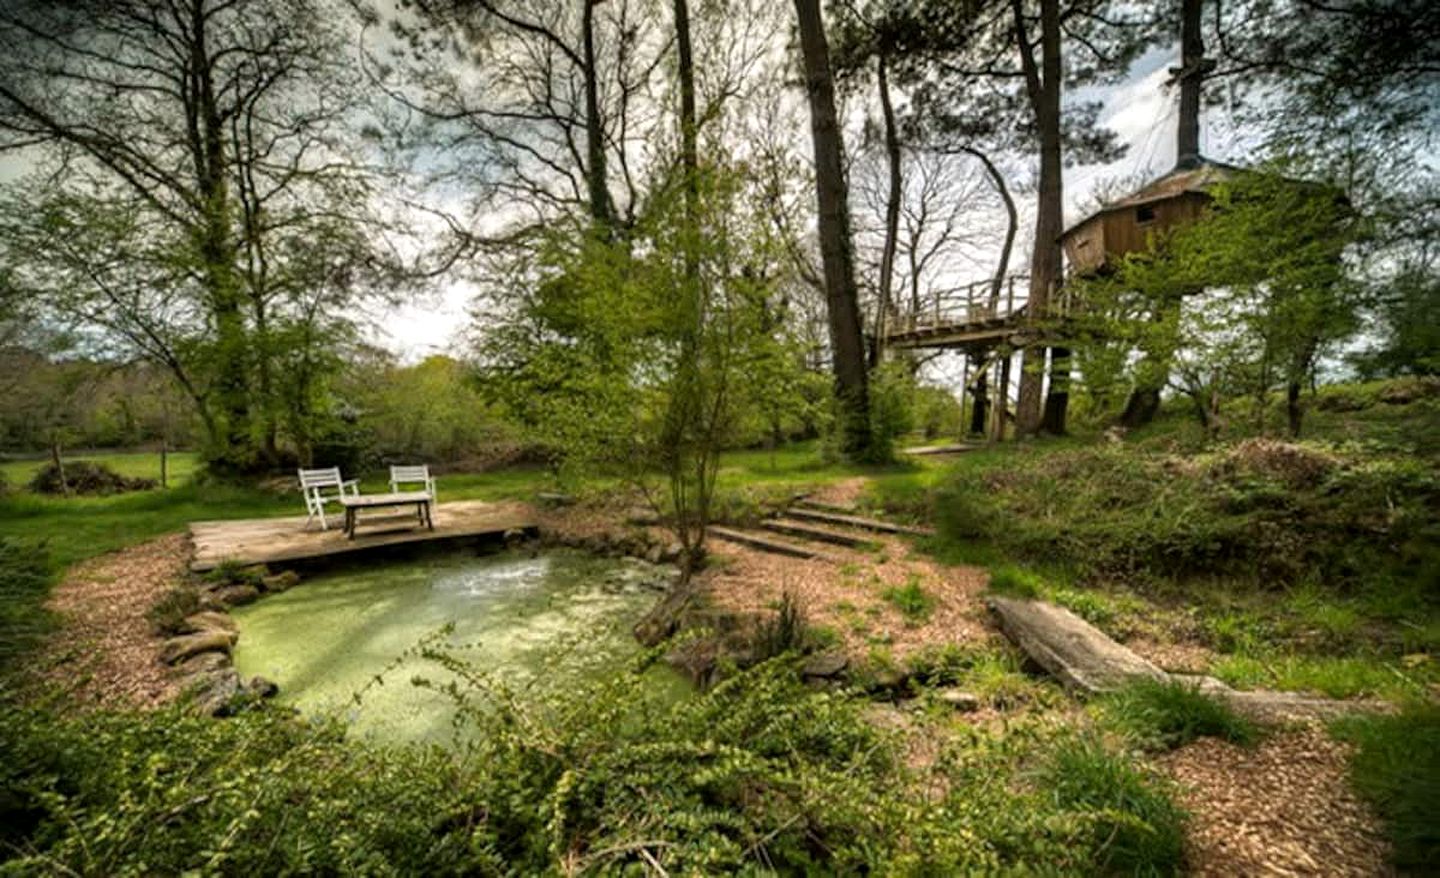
(1132, 224)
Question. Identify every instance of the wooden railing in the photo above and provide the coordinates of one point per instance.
(973, 304)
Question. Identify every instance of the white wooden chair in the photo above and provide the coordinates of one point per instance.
(412, 475)
(317, 485)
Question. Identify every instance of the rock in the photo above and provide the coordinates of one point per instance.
(552, 498)
(655, 554)
(217, 696)
(177, 648)
(208, 620)
(282, 581)
(672, 553)
(202, 663)
(262, 688)
(236, 595)
(964, 702)
(889, 679)
(825, 664)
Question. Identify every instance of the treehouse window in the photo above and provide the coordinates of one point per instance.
(1145, 213)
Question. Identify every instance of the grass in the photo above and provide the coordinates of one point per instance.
(1170, 714)
(1083, 775)
(912, 600)
(24, 579)
(1396, 767)
(182, 466)
(1337, 676)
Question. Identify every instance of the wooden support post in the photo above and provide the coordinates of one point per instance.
(1002, 396)
(964, 382)
(1010, 298)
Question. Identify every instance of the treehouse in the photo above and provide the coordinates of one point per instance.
(1131, 224)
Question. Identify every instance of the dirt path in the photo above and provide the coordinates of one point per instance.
(105, 652)
(847, 595)
(1284, 807)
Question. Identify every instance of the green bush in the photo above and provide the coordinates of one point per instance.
(1145, 830)
(1397, 768)
(1171, 714)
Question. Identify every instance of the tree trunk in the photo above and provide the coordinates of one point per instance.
(1140, 408)
(1002, 396)
(1057, 401)
(217, 256)
(1012, 225)
(836, 248)
(595, 175)
(980, 404)
(58, 460)
(892, 208)
(1043, 87)
(1191, 75)
(689, 151)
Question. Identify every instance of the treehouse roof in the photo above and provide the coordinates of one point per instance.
(1196, 176)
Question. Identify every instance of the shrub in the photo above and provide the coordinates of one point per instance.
(1397, 768)
(86, 477)
(1137, 828)
(1171, 714)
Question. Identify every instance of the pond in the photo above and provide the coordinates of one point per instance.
(560, 615)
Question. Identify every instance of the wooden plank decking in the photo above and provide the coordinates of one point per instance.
(278, 540)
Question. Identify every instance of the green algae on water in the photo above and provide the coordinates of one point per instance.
(524, 621)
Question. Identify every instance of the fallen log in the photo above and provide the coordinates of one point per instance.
(1083, 657)
(1072, 650)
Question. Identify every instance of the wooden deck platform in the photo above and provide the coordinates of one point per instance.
(281, 540)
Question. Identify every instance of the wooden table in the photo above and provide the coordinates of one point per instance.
(419, 499)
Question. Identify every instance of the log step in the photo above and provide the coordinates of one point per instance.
(856, 521)
(820, 535)
(765, 543)
(801, 501)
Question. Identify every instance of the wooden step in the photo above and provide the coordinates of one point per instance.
(802, 501)
(856, 521)
(820, 535)
(765, 543)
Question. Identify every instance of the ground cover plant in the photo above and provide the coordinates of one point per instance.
(757, 772)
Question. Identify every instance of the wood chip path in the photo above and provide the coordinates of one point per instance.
(105, 652)
(1282, 808)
